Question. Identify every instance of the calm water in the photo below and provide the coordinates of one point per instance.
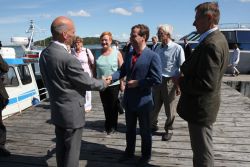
(20, 52)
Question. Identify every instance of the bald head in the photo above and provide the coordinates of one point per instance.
(60, 29)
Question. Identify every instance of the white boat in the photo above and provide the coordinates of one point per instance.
(20, 84)
(20, 40)
(27, 42)
(234, 33)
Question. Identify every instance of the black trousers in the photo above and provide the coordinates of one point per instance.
(2, 135)
(110, 102)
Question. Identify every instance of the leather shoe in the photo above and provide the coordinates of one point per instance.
(125, 157)
(154, 129)
(167, 136)
(143, 161)
(111, 131)
(4, 152)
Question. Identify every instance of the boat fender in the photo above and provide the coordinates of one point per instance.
(35, 101)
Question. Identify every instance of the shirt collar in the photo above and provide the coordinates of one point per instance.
(169, 44)
(61, 44)
(205, 34)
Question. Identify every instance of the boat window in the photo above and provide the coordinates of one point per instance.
(10, 78)
(230, 36)
(24, 74)
(243, 36)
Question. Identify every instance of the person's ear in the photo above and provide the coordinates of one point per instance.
(65, 35)
(209, 17)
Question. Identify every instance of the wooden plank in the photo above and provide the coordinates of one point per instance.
(30, 136)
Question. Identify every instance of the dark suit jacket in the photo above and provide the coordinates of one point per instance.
(66, 83)
(147, 70)
(187, 51)
(154, 48)
(200, 98)
(4, 68)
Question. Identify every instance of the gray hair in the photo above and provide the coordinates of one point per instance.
(167, 28)
(209, 8)
(58, 29)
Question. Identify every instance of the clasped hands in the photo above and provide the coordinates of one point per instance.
(107, 80)
(130, 84)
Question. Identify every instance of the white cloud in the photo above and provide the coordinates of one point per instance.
(244, 1)
(121, 37)
(46, 16)
(10, 20)
(81, 13)
(29, 6)
(138, 9)
(120, 11)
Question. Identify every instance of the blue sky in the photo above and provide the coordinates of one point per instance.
(92, 17)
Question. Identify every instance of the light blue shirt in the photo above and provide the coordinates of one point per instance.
(107, 65)
(205, 34)
(172, 56)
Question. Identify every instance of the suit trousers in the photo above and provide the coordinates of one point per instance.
(2, 136)
(145, 131)
(68, 146)
(110, 102)
(202, 145)
(164, 94)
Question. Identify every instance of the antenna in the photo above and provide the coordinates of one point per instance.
(32, 29)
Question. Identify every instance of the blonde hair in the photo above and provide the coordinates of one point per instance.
(106, 33)
(77, 38)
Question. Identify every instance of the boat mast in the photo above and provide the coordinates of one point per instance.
(30, 30)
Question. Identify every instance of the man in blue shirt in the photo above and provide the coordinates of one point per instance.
(172, 56)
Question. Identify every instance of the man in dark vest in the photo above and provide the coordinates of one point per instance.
(4, 68)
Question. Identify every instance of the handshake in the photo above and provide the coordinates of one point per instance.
(107, 80)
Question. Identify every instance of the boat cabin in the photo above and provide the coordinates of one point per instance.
(20, 84)
(234, 33)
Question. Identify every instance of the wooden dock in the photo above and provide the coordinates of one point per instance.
(31, 138)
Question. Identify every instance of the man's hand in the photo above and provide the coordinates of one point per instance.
(107, 81)
(132, 83)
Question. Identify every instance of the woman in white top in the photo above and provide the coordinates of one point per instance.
(86, 59)
(235, 60)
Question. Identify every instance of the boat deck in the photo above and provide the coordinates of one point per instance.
(31, 138)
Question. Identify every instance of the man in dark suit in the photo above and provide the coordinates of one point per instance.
(201, 83)
(66, 83)
(142, 69)
(4, 68)
(187, 49)
(155, 43)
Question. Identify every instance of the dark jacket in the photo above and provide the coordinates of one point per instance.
(147, 70)
(187, 51)
(200, 98)
(4, 68)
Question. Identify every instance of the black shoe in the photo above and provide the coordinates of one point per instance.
(167, 136)
(154, 129)
(121, 111)
(125, 157)
(143, 161)
(111, 131)
(4, 152)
